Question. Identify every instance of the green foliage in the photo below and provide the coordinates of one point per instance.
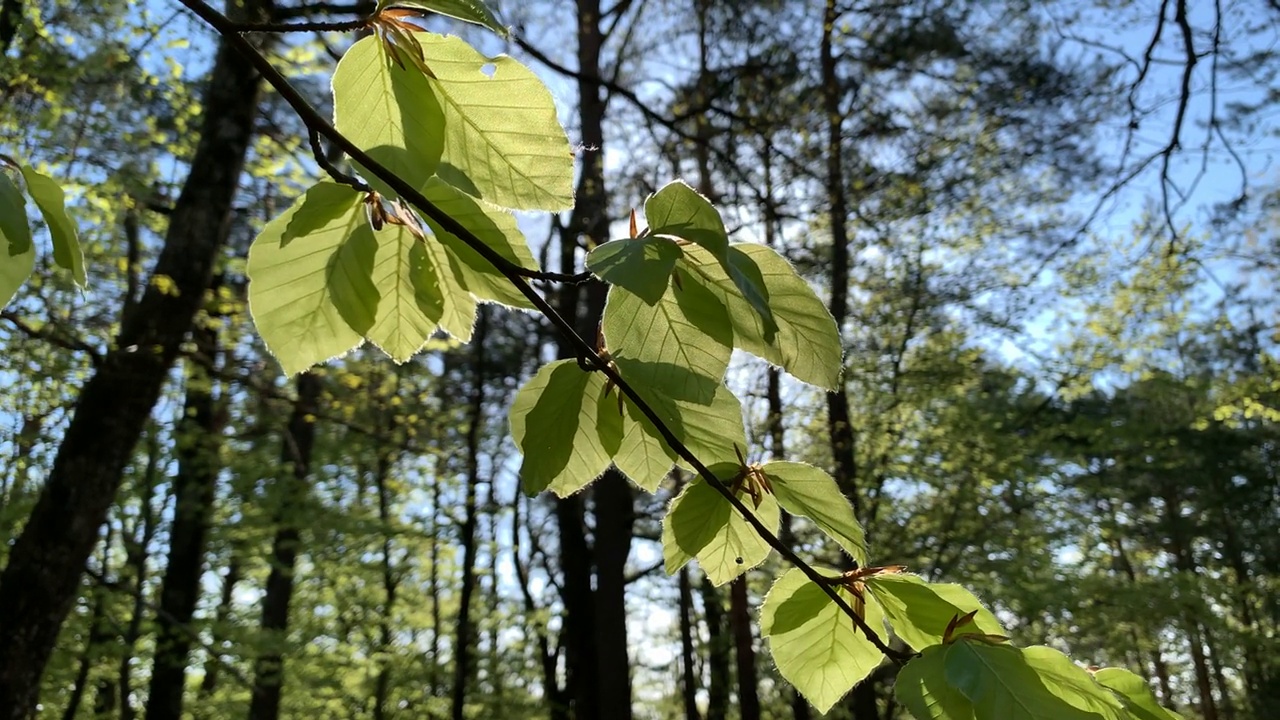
(810, 492)
(1134, 693)
(702, 524)
(472, 11)
(49, 197)
(921, 612)
(813, 643)
(17, 250)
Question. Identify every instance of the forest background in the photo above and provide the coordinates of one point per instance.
(1047, 232)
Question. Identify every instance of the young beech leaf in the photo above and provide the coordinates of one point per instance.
(922, 688)
(810, 492)
(815, 645)
(49, 197)
(642, 266)
(503, 142)
(17, 252)
(1135, 694)
(643, 456)
(659, 348)
(496, 228)
(566, 426)
(713, 432)
(393, 113)
(679, 211)
(1035, 683)
(471, 11)
(310, 289)
(919, 612)
(806, 343)
(702, 524)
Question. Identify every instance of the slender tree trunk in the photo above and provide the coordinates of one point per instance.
(199, 444)
(433, 590)
(98, 636)
(136, 556)
(718, 647)
(557, 700)
(42, 578)
(1181, 552)
(295, 460)
(212, 666)
(688, 677)
(464, 641)
(745, 652)
(582, 659)
(390, 582)
(615, 518)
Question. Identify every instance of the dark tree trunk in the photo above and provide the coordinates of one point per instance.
(390, 581)
(464, 641)
(222, 615)
(557, 700)
(615, 518)
(745, 652)
(718, 646)
(136, 544)
(97, 638)
(579, 633)
(198, 444)
(42, 578)
(295, 459)
(688, 677)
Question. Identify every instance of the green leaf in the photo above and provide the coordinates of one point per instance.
(310, 289)
(660, 350)
(746, 276)
(471, 11)
(503, 141)
(408, 309)
(806, 344)
(922, 688)
(816, 647)
(566, 426)
(679, 211)
(643, 456)
(17, 252)
(642, 266)
(1135, 694)
(810, 492)
(49, 197)
(919, 612)
(1035, 683)
(436, 273)
(714, 432)
(392, 113)
(496, 228)
(702, 524)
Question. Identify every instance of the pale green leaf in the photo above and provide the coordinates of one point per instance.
(407, 311)
(439, 274)
(1035, 683)
(503, 140)
(1135, 694)
(806, 344)
(714, 433)
(393, 113)
(701, 523)
(810, 492)
(471, 11)
(310, 289)
(922, 688)
(556, 421)
(17, 252)
(815, 645)
(679, 211)
(642, 266)
(642, 456)
(495, 228)
(49, 197)
(660, 350)
(919, 612)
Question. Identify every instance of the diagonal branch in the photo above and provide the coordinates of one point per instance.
(314, 120)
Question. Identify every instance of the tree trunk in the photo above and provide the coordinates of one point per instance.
(199, 443)
(295, 460)
(718, 645)
(42, 578)
(98, 636)
(136, 544)
(390, 583)
(688, 678)
(745, 652)
(464, 641)
(221, 616)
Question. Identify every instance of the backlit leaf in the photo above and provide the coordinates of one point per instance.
(1035, 683)
(701, 523)
(922, 688)
(1135, 694)
(810, 492)
(919, 612)
(49, 197)
(642, 456)
(556, 421)
(407, 310)
(393, 113)
(310, 288)
(815, 645)
(17, 252)
(679, 211)
(472, 11)
(642, 266)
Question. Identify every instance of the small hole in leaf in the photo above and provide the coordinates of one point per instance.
(488, 69)
(739, 561)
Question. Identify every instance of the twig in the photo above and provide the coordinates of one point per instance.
(66, 342)
(322, 159)
(313, 119)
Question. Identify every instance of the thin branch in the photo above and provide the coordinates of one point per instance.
(50, 334)
(313, 119)
(316, 26)
(322, 158)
